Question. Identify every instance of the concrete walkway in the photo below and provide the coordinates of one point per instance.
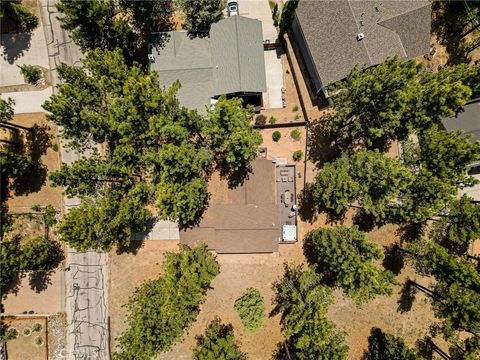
(29, 101)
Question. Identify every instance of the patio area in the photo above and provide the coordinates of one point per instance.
(287, 202)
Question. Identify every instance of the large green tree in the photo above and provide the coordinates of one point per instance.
(147, 138)
(384, 346)
(19, 255)
(456, 296)
(124, 24)
(368, 177)
(391, 100)
(347, 259)
(160, 310)
(218, 343)
(303, 303)
(201, 14)
(462, 224)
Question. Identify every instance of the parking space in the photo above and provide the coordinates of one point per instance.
(260, 10)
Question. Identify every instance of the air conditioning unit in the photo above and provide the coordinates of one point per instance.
(360, 36)
(151, 58)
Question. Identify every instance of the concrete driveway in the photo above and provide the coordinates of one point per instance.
(260, 10)
(19, 49)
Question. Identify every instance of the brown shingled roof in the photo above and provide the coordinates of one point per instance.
(240, 220)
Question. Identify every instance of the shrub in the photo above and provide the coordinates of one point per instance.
(55, 147)
(49, 216)
(37, 327)
(260, 120)
(31, 73)
(295, 134)
(295, 108)
(298, 155)
(276, 136)
(38, 340)
(27, 332)
(217, 343)
(10, 334)
(272, 120)
(251, 309)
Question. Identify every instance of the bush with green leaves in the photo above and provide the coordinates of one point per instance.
(37, 327)
(7, 333)
(297, 155)
(38, 341)
(272, 120)
(383, 346)
(288, 14)
(160, 310)
(347, 260)
(31, 73)
(276, 136)
(218, 343)
(251, 309)
(295, 134)
(295, 108)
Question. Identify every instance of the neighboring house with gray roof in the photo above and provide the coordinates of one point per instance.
(229, 61)
(334, 36)
(468, 121)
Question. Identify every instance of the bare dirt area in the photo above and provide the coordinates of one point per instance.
(36, 188)
(29, 344)
(37, 292)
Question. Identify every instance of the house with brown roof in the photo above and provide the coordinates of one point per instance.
(243, 219)
(334, 36)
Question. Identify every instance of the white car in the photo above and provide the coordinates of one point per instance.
(232, 8)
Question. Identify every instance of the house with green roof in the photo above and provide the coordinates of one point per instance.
(227, 61)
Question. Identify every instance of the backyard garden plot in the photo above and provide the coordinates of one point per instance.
(31, 338)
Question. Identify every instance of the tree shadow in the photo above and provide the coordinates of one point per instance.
(424, 347)
(37, 143)
(306, 205)
(407, 297)
(394, 260)
(447, 26)
(235, 177)
(410, 232)
(365, 222)
(15, 45)
(320, 143)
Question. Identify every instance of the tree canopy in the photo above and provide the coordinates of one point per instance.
(462, 223)
(304, 303)
(150, 143)
(108, 25)
(201, 14)
(457, 293)
(368, 177)
(160, 310)
(346, 259)
(19, 255)
(218, 343)
(389, 101)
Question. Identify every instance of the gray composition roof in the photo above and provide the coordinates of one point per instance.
(230, 60)
(393, 27)
(467, 120)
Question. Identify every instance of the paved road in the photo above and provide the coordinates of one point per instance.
(86, 281)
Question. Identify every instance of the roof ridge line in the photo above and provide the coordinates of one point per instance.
(358, 31)
(400, 14)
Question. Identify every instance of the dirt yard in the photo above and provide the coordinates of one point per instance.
(25, 346)
(36, 189)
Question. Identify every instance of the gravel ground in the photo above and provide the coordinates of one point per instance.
(56, 337)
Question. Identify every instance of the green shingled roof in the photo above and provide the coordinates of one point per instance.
(228, 61)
